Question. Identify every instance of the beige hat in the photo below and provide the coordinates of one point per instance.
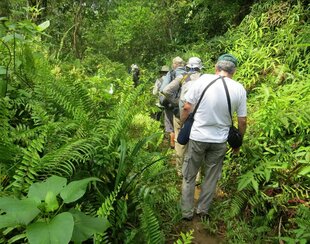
(164, 68)
(134, 66)
(178, 61)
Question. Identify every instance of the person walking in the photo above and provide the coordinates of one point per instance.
(135, 74)
(162, 73)
(177, 70)
(175, 92)
(207, 145)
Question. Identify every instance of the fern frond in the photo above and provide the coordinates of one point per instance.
(238, 202)
(130, 236)
(171, 194)
(121, 165)
(296, 192)
(65, 159)
(123, 118)
(26, 172)
(68, 97)
(186, 238)
(102, 238)
(83, 97)
(106, 210)
(118, 217)
(301, 227)
(150, 226)
(107, 205)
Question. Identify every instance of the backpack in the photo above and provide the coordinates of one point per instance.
(186, 77)
(162, 99)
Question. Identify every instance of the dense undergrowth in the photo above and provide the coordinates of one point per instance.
(84, 122)
(267, 186)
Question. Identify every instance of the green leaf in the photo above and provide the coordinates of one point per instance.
(85, 226)
(43, 26)
(53, 184)
(269, 150)
(75, 189)
(51, 202)
(254, 184)
(2, 70)
(6, 221)
(58, 230)
(17, 238)
(304, 170)
(267, 174)
(17, 211)
(19, 37)
(8, 38)
(245, 180)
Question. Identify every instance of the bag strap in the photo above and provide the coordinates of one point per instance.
(203, 94)
(228, 99)
(184, 78)
(172, 75)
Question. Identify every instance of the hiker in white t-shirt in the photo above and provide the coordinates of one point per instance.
(207, 145)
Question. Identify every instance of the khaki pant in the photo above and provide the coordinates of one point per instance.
(209, 157)
(179, 149)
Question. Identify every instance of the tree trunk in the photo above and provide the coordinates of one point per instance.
(76, 33)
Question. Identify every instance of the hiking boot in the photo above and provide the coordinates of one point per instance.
(187, 218)
(203, 216)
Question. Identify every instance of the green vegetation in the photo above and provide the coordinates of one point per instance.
(69, 113)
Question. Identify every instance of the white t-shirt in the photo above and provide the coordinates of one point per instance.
(212, 119)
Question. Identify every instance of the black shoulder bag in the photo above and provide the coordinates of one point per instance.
(234, 137)
(185, 131)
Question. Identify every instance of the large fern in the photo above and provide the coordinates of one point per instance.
(8, 150)
(150, 226)
(123, 117)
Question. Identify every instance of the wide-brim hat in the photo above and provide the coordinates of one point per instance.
(164, 68)
(194, 62)
(178, 61)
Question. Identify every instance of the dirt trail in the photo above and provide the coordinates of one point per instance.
(201, 236)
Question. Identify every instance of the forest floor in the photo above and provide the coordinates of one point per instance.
(200, 234)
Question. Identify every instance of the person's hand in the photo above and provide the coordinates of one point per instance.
(236, 150)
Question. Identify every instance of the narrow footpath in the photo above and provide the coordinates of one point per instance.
(200, 234)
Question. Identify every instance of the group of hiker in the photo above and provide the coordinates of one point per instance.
(218, 97)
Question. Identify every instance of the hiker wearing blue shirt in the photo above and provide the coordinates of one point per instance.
(178, 69)
(162, 73)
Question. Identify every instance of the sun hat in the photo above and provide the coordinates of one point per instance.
(134, 66)
(178, 61)
(165, 68)
(194, 62)
(228, 57)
